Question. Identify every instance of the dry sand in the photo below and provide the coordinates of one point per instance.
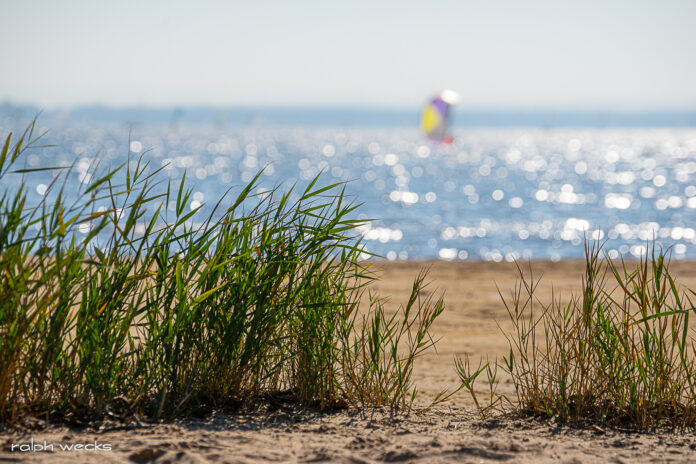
(448, 433)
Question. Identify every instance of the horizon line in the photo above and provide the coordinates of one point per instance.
(462, 107)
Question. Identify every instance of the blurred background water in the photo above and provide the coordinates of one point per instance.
(499, 192)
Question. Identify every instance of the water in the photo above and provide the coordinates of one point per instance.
(495, 194)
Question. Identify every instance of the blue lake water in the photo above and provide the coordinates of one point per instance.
(497, 193)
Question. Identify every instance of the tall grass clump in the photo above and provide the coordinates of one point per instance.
(123, 296)
(620, 353)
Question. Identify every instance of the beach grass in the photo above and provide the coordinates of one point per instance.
(621, 353)
(125, 298)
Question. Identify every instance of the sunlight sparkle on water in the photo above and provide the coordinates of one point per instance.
(495, 194)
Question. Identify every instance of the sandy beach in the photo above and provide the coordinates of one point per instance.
(451, 432)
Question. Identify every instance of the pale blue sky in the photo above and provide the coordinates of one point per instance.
(621, 54)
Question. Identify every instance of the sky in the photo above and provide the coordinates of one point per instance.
(532, 54)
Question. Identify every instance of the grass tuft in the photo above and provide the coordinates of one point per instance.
(621, 353)
(126, 299)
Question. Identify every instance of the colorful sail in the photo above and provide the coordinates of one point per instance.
(435, 116)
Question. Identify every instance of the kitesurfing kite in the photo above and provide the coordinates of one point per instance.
(434, 119)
